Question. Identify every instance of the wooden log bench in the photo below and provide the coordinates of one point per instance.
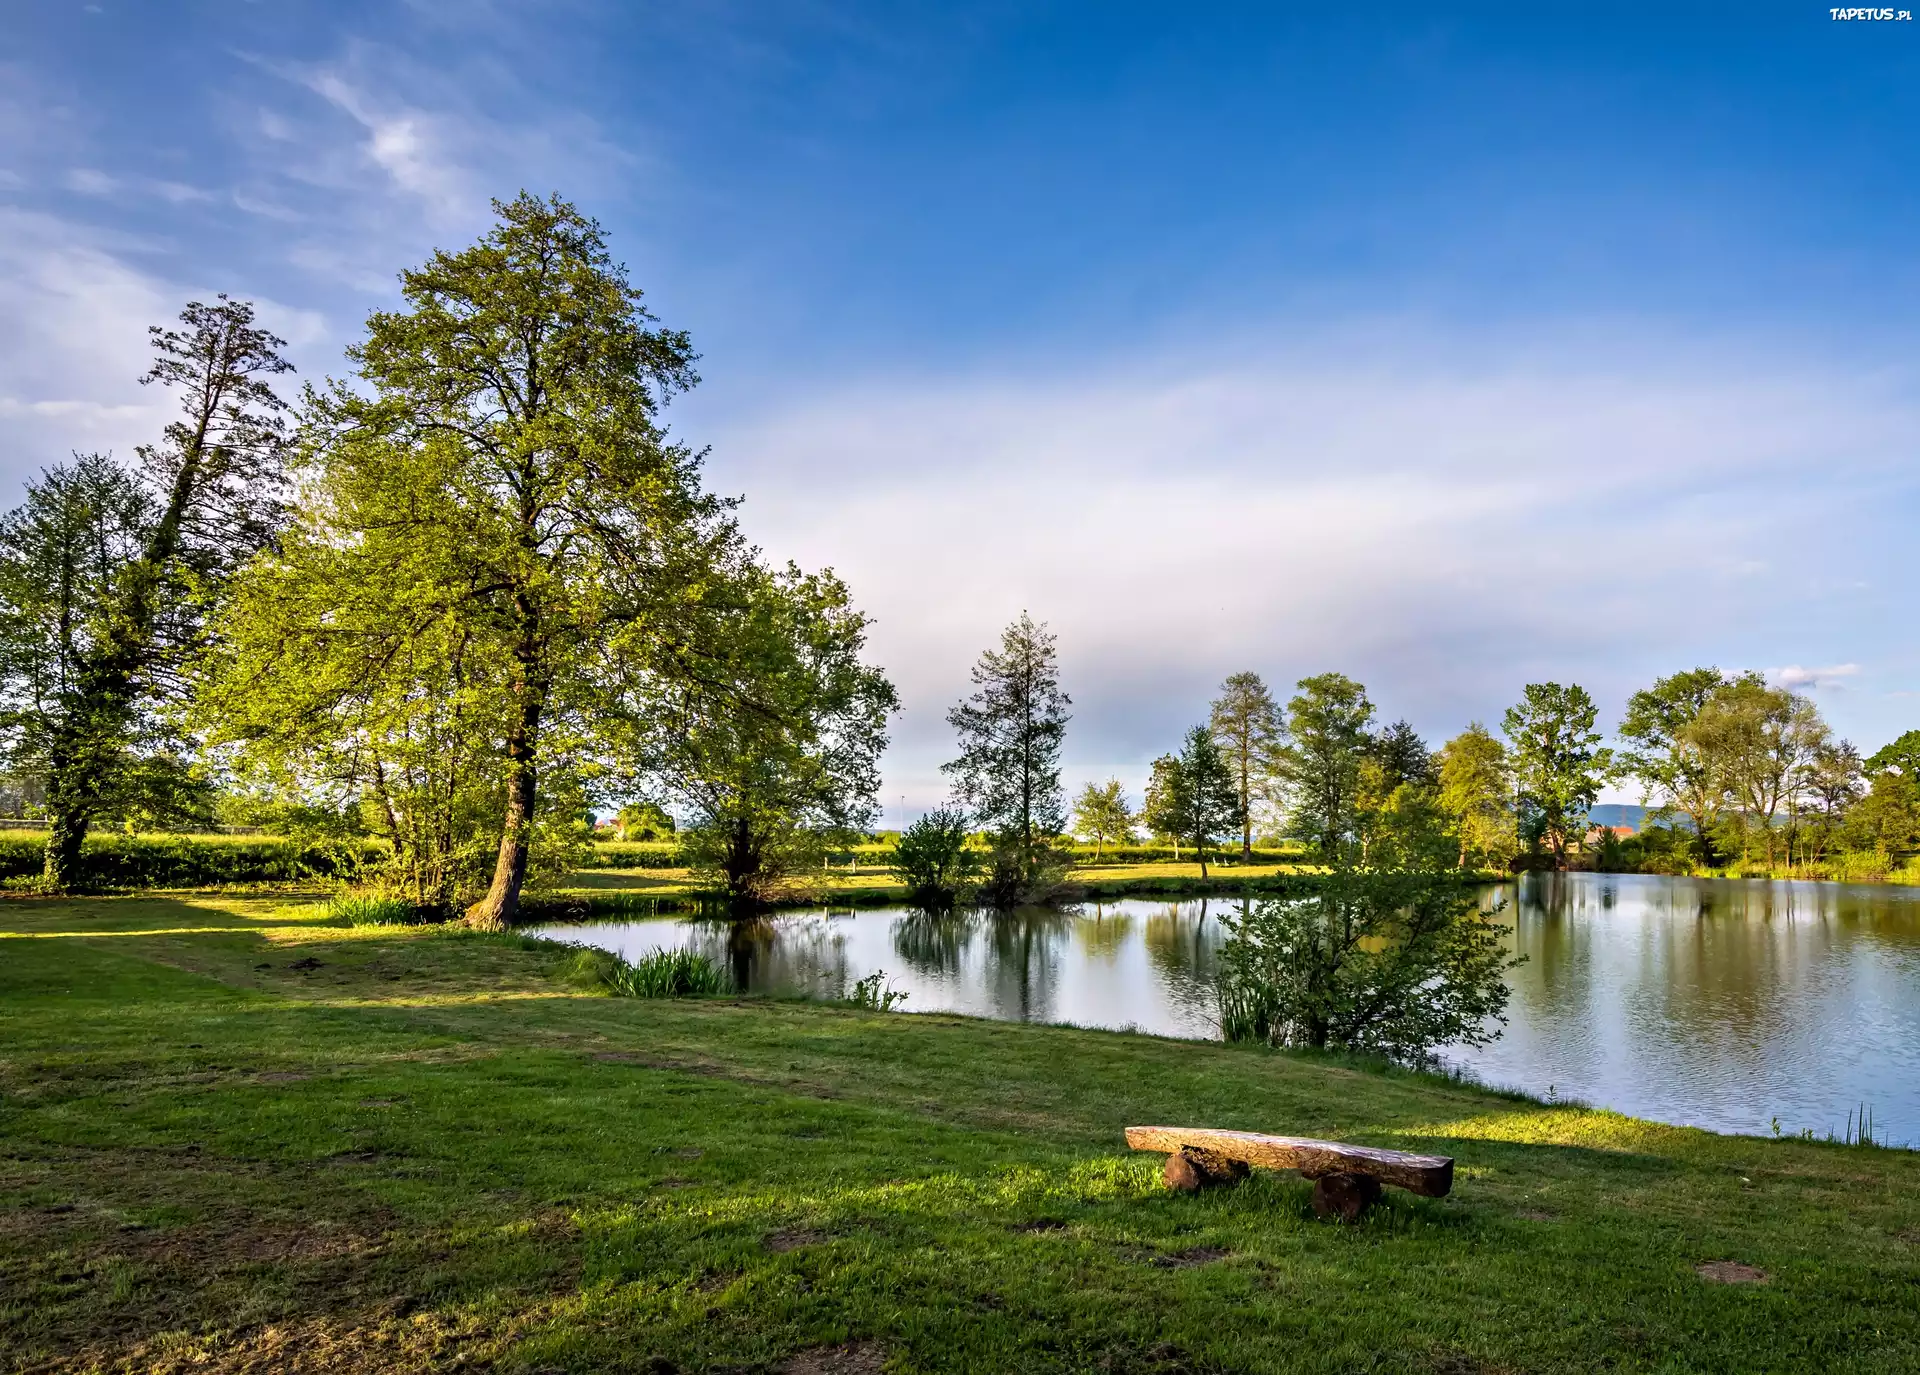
(1346, 1179)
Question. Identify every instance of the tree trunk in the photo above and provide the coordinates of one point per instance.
(68, 829)
(496, 911)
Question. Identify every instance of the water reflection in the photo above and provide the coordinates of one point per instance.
(1719, 1003)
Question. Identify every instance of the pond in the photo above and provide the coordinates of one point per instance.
(1716, 1003)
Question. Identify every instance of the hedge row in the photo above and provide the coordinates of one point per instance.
(172, 861)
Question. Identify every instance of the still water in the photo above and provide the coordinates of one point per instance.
(1722, 1004)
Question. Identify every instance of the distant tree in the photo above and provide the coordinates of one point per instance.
(1248, 727)
(1476, 793)
(1757, 739)
(775, 748)
(1558, 760)
(1403, 757)
(1011, 730)
(496, 541)
(1675, 773)
(1396, 962)
(1321, 764)
(1199, 800)
(1101, 814)
(644, 821)
(108, 577)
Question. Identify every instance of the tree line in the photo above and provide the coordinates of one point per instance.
(1734, 773)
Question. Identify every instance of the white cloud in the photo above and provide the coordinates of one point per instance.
(409, 145)
(90, 181)
(1795, 676)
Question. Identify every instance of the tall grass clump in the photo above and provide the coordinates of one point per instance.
(667, 974)
(372, 909)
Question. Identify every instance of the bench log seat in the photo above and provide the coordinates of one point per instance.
(1346, 1179)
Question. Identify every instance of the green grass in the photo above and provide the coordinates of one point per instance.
(236, 1136)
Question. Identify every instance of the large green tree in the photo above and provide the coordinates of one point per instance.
(1558, 760)
(1320, 765)
(498, 547)
(106, 577)
(775, 747)
(1666, 755)
(1011, 730)
(1247, 724)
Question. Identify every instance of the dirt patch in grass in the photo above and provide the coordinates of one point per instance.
(1195, 1255)
(424, 1341)
(854, 1358)
(792, 1239)
(1045, 1224)
(1730, 1272)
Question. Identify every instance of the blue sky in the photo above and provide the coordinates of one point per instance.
(1452, 347)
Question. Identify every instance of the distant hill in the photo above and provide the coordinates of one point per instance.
(1618, 814)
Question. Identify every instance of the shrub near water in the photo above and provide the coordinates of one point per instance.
(667, 974)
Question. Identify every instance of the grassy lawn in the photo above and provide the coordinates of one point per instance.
(233, 1139)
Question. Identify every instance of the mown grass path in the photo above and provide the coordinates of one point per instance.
(233, 1139)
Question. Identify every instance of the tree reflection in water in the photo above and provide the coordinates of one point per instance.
(934, 944)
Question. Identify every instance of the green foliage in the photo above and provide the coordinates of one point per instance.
(934, 861)
(1476, 793)
(643, 821)
(1758, 741)
(1193, 796)
(775, 745)
(1558, 761)
(1027, 875)
(1902, 756)
(1666, 754)
(667, 974)
(1320, 766)
(875, 993)
(1390, 961)
(1102, 815)
(1008, 772)
(1887, 820)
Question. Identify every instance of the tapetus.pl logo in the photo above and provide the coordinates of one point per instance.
(1840, 16)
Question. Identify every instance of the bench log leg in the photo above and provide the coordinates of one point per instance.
(1345, 1196)
(1190, 1170)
